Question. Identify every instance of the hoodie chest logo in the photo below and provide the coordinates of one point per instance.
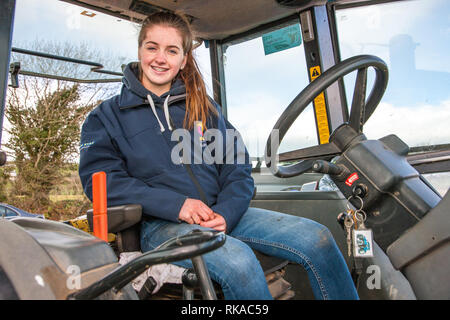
(198, 125)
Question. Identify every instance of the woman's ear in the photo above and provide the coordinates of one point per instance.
(183, 64)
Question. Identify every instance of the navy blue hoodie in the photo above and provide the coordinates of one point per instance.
(130, 140)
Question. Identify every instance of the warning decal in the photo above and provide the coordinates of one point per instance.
(315, 72)
(321, 110)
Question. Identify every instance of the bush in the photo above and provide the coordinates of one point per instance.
(55, 210)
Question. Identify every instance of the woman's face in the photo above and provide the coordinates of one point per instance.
(161, 57)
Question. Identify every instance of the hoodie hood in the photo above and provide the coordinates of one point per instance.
(134, 94)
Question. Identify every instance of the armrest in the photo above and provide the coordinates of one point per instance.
(120, 217)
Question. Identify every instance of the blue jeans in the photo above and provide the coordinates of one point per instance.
(236, 269)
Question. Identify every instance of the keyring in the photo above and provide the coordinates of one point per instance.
(356, 197)
(362, 214)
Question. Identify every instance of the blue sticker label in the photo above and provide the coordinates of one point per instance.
(86, 145)
(282, 39)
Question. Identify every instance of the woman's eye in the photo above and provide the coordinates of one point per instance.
(151, 48)
(173, 51)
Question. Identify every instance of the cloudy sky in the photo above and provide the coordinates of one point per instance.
(412, 37)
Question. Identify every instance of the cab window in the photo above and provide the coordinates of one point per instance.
(259, 88)
(57, 28)
(413, 38)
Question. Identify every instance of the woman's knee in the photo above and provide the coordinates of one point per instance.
(238, 271)
(234, 260)
(306, 236)
(320, 244)
(237, 256)
(324, 238)
(309, 232)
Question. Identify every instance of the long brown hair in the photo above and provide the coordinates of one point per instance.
(198, 105)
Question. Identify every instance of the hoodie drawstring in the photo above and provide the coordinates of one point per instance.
(166, 112)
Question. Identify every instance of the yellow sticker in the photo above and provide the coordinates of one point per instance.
(320, 109)
(315, 72)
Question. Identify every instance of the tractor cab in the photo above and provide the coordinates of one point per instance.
(342, 105)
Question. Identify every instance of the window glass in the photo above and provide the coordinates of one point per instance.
(10, 213)
(59, 28)
(201, 55)
(413, 38)
(259, 88)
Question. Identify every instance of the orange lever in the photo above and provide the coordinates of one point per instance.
(100, 218)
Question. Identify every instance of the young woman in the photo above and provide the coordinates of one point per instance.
(130, 137)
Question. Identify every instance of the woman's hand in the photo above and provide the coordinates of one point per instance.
(218, 223)
(195, 211)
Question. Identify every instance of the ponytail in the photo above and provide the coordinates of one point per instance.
(198, 105)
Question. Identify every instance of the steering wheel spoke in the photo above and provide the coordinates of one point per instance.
(357, 118)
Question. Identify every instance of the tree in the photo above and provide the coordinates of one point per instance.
(43, 139)
(5, 181)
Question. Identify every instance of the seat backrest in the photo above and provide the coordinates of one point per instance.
(129, 240)
(124, 221)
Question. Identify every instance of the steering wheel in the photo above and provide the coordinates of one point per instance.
(361, 110)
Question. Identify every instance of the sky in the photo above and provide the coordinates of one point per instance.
(413, 38)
